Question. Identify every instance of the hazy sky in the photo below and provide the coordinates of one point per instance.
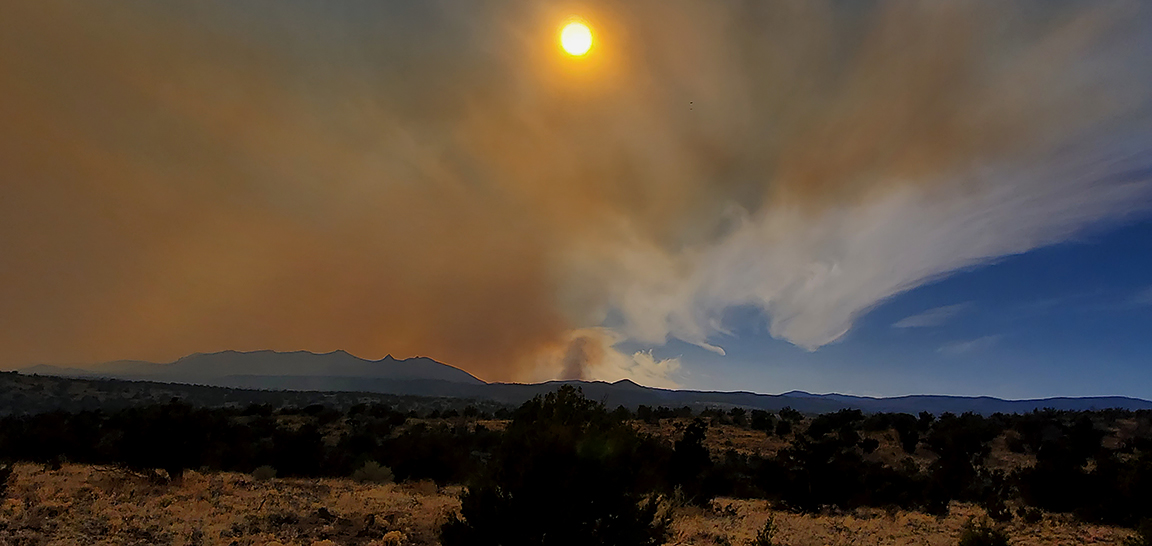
(870, 198)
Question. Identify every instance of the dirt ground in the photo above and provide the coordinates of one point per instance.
(86, 505)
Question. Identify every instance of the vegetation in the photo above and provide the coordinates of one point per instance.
(85, 504)
(765, 534)
(983, 534)
(372, 472)
(5, 475)
(567, 473)
(1143, 536)
(564, 462)
(34, 394)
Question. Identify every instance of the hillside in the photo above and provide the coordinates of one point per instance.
(340, 372)
(32, 394)
(217, 368)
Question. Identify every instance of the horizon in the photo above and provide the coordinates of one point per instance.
(87, 368)
(875, 200)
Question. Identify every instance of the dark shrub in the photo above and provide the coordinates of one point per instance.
(907, 429)
(982, 534)
(762, 420)
(1029, 515)
(567, 473)
(783, 428)
(263, 473)
(691, 465)
(925, 421)
(372, 472)
(5, 475)
(843, 420)
(812, 474)
(1143, 535)
(765, 534)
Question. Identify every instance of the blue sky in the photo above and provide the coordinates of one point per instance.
(1072, 319)
(880, 198)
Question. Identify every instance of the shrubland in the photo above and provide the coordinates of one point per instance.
(577, 472)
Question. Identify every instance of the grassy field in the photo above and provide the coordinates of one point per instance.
(89, 505)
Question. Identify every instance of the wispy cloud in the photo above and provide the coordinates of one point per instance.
(971, 345)
(434, 178)
(1143, 297)
(932, 317)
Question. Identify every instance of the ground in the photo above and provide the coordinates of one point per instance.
(88, 505)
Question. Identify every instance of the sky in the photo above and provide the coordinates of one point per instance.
(866, 198)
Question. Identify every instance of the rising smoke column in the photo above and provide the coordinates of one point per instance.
(432, 178)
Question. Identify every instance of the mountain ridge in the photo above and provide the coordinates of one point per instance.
(339, 371)
(205, 366)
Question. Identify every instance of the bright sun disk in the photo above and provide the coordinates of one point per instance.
(576, 38)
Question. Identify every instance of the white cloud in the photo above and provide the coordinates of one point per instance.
(932, 317)
(971, 345)
(1143, 297)
(814, 276)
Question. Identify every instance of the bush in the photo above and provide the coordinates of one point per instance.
(997, 509)
(263, 473)
(567, 473)
(372, 472)
(783, 428)
(982, 534)
(765, 534)
(5, 475)
(1143, 536)
(1030, 515)
(762, 420)
(790, 415)
(691, 465)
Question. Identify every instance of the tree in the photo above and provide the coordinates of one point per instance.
(738, 416)
(691, 464)
(567, 473)
(762, 420)
(789, 414)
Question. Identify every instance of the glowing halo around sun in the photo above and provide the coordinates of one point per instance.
(576, 38)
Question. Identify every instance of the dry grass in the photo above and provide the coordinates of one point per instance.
(737, 521)
(746, 441)
(720, 438)
(85, 505)
(82, 505)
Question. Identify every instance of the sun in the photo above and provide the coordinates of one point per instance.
(576, 38)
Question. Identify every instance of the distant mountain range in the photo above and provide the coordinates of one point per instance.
(341, 372)
(225, 367)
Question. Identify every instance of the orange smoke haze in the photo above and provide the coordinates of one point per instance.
(435, 178)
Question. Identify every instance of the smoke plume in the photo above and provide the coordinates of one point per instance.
(436, 178)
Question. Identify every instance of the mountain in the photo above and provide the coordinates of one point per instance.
(630, 394)
(337, 368)
(341, 372)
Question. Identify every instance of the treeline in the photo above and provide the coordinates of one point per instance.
(562, 448)
(177, 436)
(22, 394)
